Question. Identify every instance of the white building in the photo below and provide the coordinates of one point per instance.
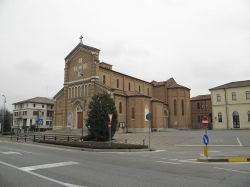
(28, 112)
(231, 105)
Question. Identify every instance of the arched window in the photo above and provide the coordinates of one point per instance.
(73, 92)
(248, 114)
(104, 79)
(69, 93)
(219, 117)
(182, 107)
(117, 83)
(120, 107)
(175, 109)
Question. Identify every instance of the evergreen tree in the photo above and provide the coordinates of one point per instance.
(97, 123)
(7, 120)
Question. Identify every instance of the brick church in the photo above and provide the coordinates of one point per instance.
(85, 75)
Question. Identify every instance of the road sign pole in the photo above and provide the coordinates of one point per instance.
(109, 126)
(110, 134)
(149, 132)
(205, 138)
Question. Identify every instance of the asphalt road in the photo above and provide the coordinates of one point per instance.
(173, 164)
(25, 165)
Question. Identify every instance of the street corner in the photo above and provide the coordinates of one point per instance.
(234, 159)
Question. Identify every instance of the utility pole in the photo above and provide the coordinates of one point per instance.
(3, 112)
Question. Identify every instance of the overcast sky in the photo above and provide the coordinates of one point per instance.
(201, 44)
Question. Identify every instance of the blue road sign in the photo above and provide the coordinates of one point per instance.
(39, 121)
(205, 139)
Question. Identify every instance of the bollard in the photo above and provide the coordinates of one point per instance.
(68, 138)
(126, 141)
(34, 138)
(55, 138)
(25, 136)
(143, 141)
(17, 138)
(43, 137)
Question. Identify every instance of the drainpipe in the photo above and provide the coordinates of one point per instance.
(226, 106)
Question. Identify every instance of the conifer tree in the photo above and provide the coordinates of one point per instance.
(97, 123)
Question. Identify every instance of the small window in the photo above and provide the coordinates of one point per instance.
(35, 113)
(34, 105)
(139, 88)
(248, 114)
(182, 107)
(42, 106)
(198, 106)
(247, 94)
(219, 117)
(120, 107)
(148, 91)
(133, 113)
(104, 79)
(117, 83)
(129, 87)
(234, 96)
(218, 98)
(175, 109)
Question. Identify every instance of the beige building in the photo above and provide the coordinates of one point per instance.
(85, 75)
(231, 105)
(27, 112)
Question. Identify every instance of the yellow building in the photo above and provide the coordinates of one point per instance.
(85, 75)
(231, 105)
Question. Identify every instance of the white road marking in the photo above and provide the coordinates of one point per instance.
(232, 170)
(167, 162)
(164, 158)
(44, 166)
(11, 153)
(183, 145)
(41, 176)
(239, 141)
(173, 159)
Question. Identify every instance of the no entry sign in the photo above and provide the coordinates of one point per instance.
(204, 121)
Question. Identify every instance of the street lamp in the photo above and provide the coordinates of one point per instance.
(4, 101)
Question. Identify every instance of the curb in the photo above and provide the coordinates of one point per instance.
(225, 159)
(116, 150)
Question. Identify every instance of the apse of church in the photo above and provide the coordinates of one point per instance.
(85, 75)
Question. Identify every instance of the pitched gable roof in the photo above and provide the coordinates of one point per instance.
(79, 46)
(232, 85)
(41, 100)
(201, 97)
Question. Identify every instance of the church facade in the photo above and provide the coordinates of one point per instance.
(85, 75)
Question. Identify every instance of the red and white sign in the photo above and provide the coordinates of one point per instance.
(110, 117)
(204, 121)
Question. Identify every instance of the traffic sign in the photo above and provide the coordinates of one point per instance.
(39, 121)
(110, 117)
(149, 117)
(205, 139)
(204, 121)
(109, 125)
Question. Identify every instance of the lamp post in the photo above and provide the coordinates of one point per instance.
(3, 112)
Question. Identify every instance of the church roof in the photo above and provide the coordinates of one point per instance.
(233, 85)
